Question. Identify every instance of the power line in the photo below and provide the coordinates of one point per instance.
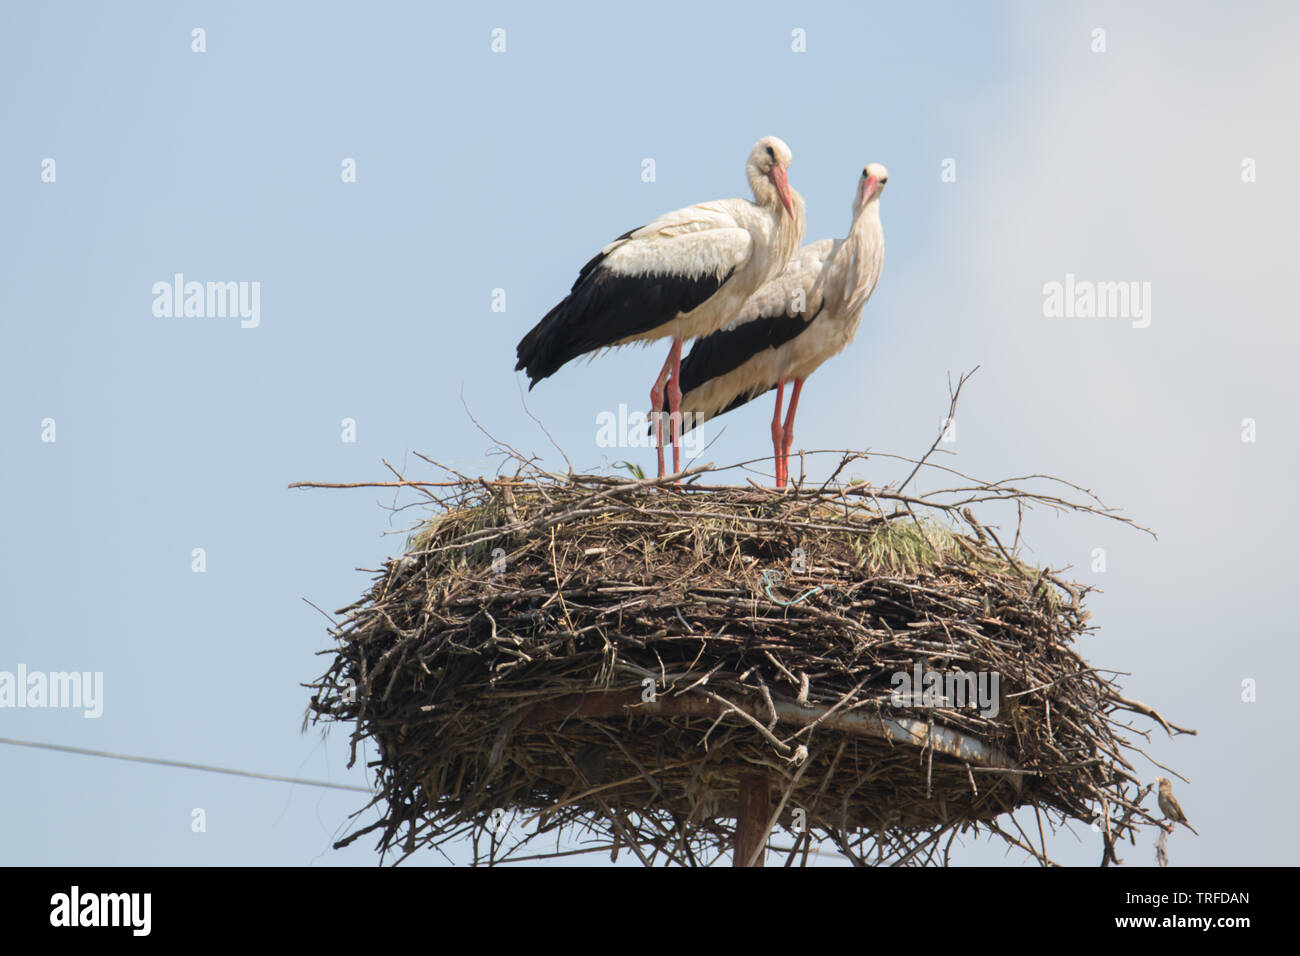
(182, 764)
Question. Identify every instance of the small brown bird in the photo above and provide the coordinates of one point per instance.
(1169, 806)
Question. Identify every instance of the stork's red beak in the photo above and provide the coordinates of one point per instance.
(869, 190)
(777, 175)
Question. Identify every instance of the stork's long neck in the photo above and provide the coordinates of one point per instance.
(789, 230)
(860, 257)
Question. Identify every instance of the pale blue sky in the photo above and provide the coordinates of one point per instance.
(479, 171)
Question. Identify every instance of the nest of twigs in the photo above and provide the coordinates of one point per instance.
(611, 658)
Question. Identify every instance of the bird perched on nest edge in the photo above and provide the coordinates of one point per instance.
(1169, 806)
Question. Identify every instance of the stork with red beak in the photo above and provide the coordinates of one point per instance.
(684, 275)
(792, 325)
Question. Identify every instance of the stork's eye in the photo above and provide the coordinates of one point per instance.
(770, 154)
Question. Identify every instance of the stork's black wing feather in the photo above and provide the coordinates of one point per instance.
(605, 307)
(715, 355)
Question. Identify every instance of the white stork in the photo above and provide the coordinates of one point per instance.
(684, 275)
(792, 325)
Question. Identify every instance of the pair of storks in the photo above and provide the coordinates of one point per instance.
(731, 274)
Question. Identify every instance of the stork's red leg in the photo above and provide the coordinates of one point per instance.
(675, 402)
(787, 437)
(778, 433)
(657, 403)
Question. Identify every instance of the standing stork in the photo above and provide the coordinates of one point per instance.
(792, 325)
(684, 275)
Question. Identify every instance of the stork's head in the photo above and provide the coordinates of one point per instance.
(769, 160)
(871, 185)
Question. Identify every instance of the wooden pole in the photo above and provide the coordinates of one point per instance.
(755, 806)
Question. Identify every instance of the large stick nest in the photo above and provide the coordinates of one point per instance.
(609, 658)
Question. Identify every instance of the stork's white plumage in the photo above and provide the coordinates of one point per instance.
(790, 326)
(684, 275)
